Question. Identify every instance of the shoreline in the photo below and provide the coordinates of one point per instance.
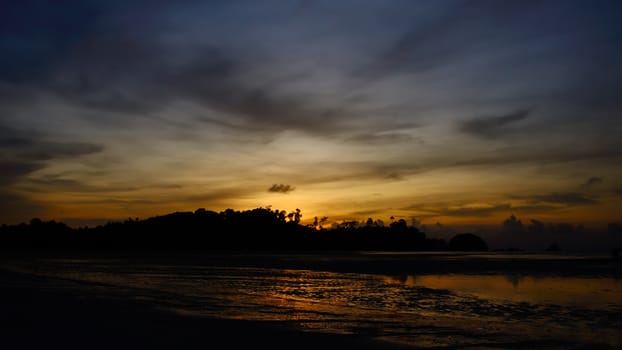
(40, 312)
(115, 307)
(380, 263)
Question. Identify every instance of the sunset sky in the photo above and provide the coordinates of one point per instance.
(457, 112)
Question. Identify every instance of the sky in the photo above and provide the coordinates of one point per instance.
(446, 112)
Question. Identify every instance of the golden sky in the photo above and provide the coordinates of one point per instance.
(446, 111)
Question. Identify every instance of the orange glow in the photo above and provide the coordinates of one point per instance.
(588, 292)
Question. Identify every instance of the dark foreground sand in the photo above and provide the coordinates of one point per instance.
(40, 309)
(44, 313)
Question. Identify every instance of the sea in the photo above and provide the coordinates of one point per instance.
(423, 299)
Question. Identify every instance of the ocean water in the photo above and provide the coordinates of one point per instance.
(426, 300)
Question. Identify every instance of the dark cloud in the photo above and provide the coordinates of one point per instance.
(280, 188)
(399, 168)
(31, 146)
(69, 183)
(23, 153)
(383, 169)
(55, 183)
(492, 126)
(451, 33)
(116, 62)
(536, 208)
(50, 150)
(218, 82)
(434, 210)
(36, 34)
(356, 171)
(365, 213)
(427, 210)
(119, 202)
(15, 208)
(112, 72)
(227, 124)
(42, 151)
(535, 53)
(97, 58)
(383, 138)
(13, 170)
(565, 198)
(537, 227)
(544, 155)
(130, 75)
(115, 65)
(59, 183)
(513, 225)
(592, 181)
(222, 196)
(475, 211)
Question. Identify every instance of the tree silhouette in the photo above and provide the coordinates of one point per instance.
(467, 242)
(513, 224)
(261, 229)
(399, 225)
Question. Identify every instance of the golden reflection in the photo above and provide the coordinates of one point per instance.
(385, 306)
(585, 292)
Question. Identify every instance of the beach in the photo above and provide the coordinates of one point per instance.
(45, 313)
(361, 301)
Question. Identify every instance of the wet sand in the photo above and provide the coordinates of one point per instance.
(41, 308)
(39, 312)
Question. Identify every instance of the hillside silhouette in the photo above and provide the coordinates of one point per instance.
(260, 229)
(467, 242)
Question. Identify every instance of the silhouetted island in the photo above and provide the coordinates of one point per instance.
(260, 229)
(467, 242)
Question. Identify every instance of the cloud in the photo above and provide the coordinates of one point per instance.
(359, 213)
(566, 198)
(466, 210)
(219, 84)
(131, 75)
(36, 48)
(353, 84)
(334, 171)
(592, 181)
(15, 208)
(383, 138)
(13, 170)
(280, 188)
(522, 154)
(475, 211)
(445, 35)
(513, 224)
(101, 60)
(55, 183)
(536, 207)
(23, 153)
(221, 196)
(492, 126)
(114, 65)
(51, 150)
(31, 146)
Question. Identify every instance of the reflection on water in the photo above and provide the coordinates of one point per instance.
(601, 293)
(427, 310)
